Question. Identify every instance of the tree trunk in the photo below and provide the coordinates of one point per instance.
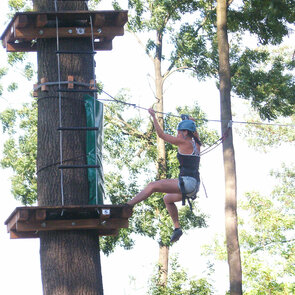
(163, 264)
(231, 224)
(162, 166)
(70, 260)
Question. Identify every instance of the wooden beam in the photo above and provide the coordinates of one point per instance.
(21, 47)
(67, 32)
(48, 225)
(44, 87)
(127, 212)
(21, 215)
(103, 45)
(41, 20)
(33, 235)
(99, 20)
(122, 19)
(26, 235)
(40, 215)
(70, 80)
(21, 21)
(108, 232)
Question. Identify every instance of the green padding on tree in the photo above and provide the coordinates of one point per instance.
(94, 119)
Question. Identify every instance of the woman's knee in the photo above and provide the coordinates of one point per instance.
(152, 187)
(167, 199)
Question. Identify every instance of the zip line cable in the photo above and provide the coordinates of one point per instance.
(207, 120)
(163, 113)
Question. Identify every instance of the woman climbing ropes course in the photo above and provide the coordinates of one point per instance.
(187, 185)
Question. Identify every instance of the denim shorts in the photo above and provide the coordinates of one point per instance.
(191, 186)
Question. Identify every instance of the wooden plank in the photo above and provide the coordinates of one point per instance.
(104, 45)
(70, 80)
(69, 32)
(21, 21)
(49, 225)
(24, 235)
(21, 215)
(21, 47)
(41, 20)
(8, 36)
(127, 212)
(44, 87)
(99, 20)
(109, 232)
(33, 235)
(122, 19)
(40, 215)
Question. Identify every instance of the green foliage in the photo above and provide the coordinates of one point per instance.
(267, 79)
(20, 151)
(266, 235)
(178, 283)
(267, 19)
(29, 71)
(16, 57)
(19, 5)
(264, 136)
(12, 87)
(3, 72)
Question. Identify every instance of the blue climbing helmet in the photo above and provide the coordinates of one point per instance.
(187, 125)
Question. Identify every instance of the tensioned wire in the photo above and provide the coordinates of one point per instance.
(207, 120)
(59, 105)
(112, 98)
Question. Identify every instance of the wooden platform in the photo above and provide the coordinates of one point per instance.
(28, 222)
(26, 27)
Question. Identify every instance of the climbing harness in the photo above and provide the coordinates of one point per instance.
(184, 194)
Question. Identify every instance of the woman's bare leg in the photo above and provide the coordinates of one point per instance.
(160, 186)
(170, 200)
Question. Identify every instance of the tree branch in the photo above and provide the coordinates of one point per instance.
(129, 129)
(168, 73)
(269, 243)
(141, 44)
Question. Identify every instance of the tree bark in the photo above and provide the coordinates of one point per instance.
(162, 167)
(70, 260)
(231, 224)
(163, 264)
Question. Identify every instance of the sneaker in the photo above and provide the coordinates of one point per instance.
(177, 233)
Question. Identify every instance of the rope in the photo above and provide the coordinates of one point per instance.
(216, 143)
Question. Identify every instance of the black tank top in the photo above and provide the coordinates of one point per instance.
(189, 163)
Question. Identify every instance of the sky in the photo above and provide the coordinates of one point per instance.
(126, 66)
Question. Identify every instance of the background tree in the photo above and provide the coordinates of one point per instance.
(179, 282)
(266, 238)
(231, 219)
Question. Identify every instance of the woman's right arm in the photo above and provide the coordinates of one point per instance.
(167, 137)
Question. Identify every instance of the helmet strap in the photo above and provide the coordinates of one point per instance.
(181, 131)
